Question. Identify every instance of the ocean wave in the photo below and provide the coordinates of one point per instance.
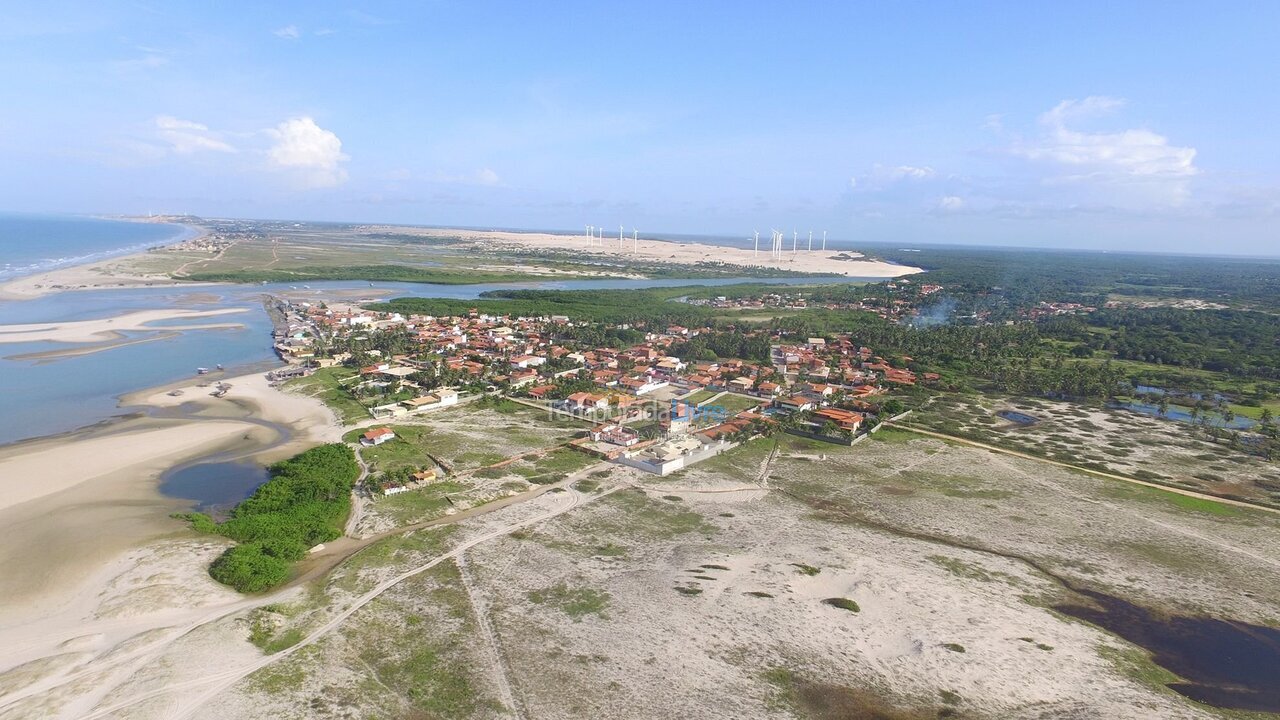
(10, 271)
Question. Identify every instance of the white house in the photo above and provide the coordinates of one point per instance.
(377, 437)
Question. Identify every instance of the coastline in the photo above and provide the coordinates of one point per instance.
(75, 506)
(94, 272)
(111, 273)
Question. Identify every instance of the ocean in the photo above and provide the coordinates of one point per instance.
(33, 243)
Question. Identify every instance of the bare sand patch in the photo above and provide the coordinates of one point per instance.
(88, 331)
(847, 263)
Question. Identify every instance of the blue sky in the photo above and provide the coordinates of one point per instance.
(1121, 125)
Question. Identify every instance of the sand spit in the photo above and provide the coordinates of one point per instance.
(847, 263)
(93, 567)
(88, 331)
(100, 275)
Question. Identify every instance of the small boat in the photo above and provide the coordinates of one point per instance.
(219, 366)
(202, 371)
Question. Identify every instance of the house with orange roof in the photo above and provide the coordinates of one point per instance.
(377, 436)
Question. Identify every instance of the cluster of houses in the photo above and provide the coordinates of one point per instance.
(641, 395)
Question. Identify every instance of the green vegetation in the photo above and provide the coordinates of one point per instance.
(734, 404)
(701, 396)
(304, 504)
(384, 273)
(953, 647)
(1235, 342)
(422, 660)
(656, 305)
(658, 520)
(326, 384)
(1178, 500)
(574, 602)
(843, 604)
(1133, 662)
(1018, 277)
(806, 569)
(822, 701)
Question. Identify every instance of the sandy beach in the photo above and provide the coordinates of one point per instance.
(840, 262)
(98, 275)
(123, 272)
(92, 556)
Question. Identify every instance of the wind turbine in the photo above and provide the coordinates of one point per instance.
(824, 241)
(757, 252)
(589, 236)
(635, 241)
(619, 236)
(794, 237)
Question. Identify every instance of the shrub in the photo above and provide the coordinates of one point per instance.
(248, 568)
(304, 504)
(843, 604)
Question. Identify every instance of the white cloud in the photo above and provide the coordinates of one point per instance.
(186, 137)
(288, 32)
(951, 203)
(910, 173)
(314, 153)
(485, 176)
(1135, 155)
(882, 176)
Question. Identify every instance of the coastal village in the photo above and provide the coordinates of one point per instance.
(641, 406)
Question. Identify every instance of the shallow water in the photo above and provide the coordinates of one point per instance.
(214, 486)
(1224, 663)
(1180, 415)
(1020, 418)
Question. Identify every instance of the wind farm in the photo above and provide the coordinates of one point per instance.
(811, 258)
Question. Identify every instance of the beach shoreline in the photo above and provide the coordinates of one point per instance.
(78, 505)
(116, 272)
(99, 273)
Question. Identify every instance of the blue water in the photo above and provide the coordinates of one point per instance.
(1149, 390)
(47, 396)
(34, 243)
(1180, 415)
(1017, 417)
(214, 485)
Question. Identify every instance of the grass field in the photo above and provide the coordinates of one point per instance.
(734, 404)
(701, 396)
(327, 384)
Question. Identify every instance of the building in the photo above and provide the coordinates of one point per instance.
(377, 437)
(615, 435)
(843, 419)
